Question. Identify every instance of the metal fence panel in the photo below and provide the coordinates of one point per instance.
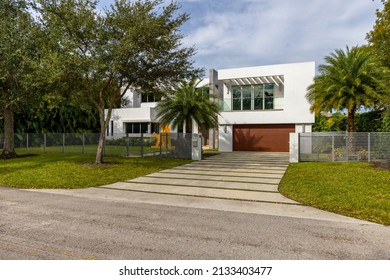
(177, 145)
(166, 145)
(343, 146)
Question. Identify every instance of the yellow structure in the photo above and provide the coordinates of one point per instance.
(165, 142)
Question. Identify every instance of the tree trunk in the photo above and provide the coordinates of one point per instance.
(9, 145)
(351, 120)
(104, 121)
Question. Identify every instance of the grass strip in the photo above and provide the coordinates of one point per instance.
(73, 171)
(356, 190)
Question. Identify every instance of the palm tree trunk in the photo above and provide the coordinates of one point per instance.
(184, 127)
(9, 145)
(351, 119)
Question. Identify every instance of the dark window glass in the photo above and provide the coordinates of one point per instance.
(129, 128)
(258, 104)
(145, 98)
(155, 127)
(144, 127)
(246, 104)
(269, 97)
(236, 91)
(269, 103)
(236, 104)
(136, 128)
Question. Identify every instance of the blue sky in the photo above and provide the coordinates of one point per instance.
(240, 33)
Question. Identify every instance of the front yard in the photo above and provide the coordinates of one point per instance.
(71, 171)
(352, 189)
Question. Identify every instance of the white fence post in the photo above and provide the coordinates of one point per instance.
(196, 147)
(294, 147)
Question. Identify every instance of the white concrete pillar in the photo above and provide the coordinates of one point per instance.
(294, 147)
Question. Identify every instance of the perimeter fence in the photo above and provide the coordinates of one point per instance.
(174, 145)
(343, 146)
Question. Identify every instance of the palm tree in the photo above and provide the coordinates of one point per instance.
(348, 80)
(188, 103)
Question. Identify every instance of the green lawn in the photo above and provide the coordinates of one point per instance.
(352, 189)
(70, 171)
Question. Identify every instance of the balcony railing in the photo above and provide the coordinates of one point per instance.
(228, 104)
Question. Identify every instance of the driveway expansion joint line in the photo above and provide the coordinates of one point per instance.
(216, 175)
(218, 180)
(204, 187)
(203, 196)
(251, 167)
(261, 165)
(228, 170)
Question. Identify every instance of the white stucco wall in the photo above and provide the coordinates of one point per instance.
(225, 138)
(133, 98)
(296, 108)
(122, 115)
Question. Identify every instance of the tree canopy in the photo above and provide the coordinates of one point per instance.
(188, 103)
(19, 57)
(95, 56)
(379, 37)
(349, 80)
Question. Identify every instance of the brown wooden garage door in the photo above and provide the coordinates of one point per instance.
(262, 137)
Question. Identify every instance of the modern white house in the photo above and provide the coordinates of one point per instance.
(260, 107)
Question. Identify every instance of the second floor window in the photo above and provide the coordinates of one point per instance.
(253, 97)
(147, 97)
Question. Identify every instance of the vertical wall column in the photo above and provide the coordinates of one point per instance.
(213, 88)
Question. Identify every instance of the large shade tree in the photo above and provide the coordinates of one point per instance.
(379, 43)
(98, 55)
(188, 103)
(19, 41)
(348, 80)
(379, 37)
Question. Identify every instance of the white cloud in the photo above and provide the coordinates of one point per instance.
(278, 31)
(236, 33)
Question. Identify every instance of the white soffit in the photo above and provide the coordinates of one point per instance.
(274, 79)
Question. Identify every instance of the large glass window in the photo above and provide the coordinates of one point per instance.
(269, 96)
(136, 128)
(253, 97)
(236, 97)
(246, 97)
(258, 97)
(147, 97)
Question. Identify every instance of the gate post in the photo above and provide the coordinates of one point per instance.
(294, 147)
(369, 147)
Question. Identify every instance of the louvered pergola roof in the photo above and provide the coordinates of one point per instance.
(274, 79)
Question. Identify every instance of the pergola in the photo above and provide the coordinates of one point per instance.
(274, 79)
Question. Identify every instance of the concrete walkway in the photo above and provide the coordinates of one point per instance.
(244, 182)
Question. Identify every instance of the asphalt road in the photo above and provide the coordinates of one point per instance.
(35, 225)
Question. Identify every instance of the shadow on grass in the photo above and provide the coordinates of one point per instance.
(17, 156)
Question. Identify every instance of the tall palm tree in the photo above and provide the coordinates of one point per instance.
(348, 80)
(185, 104)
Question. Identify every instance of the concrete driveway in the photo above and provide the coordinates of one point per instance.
(226, 207)
(240, 182)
